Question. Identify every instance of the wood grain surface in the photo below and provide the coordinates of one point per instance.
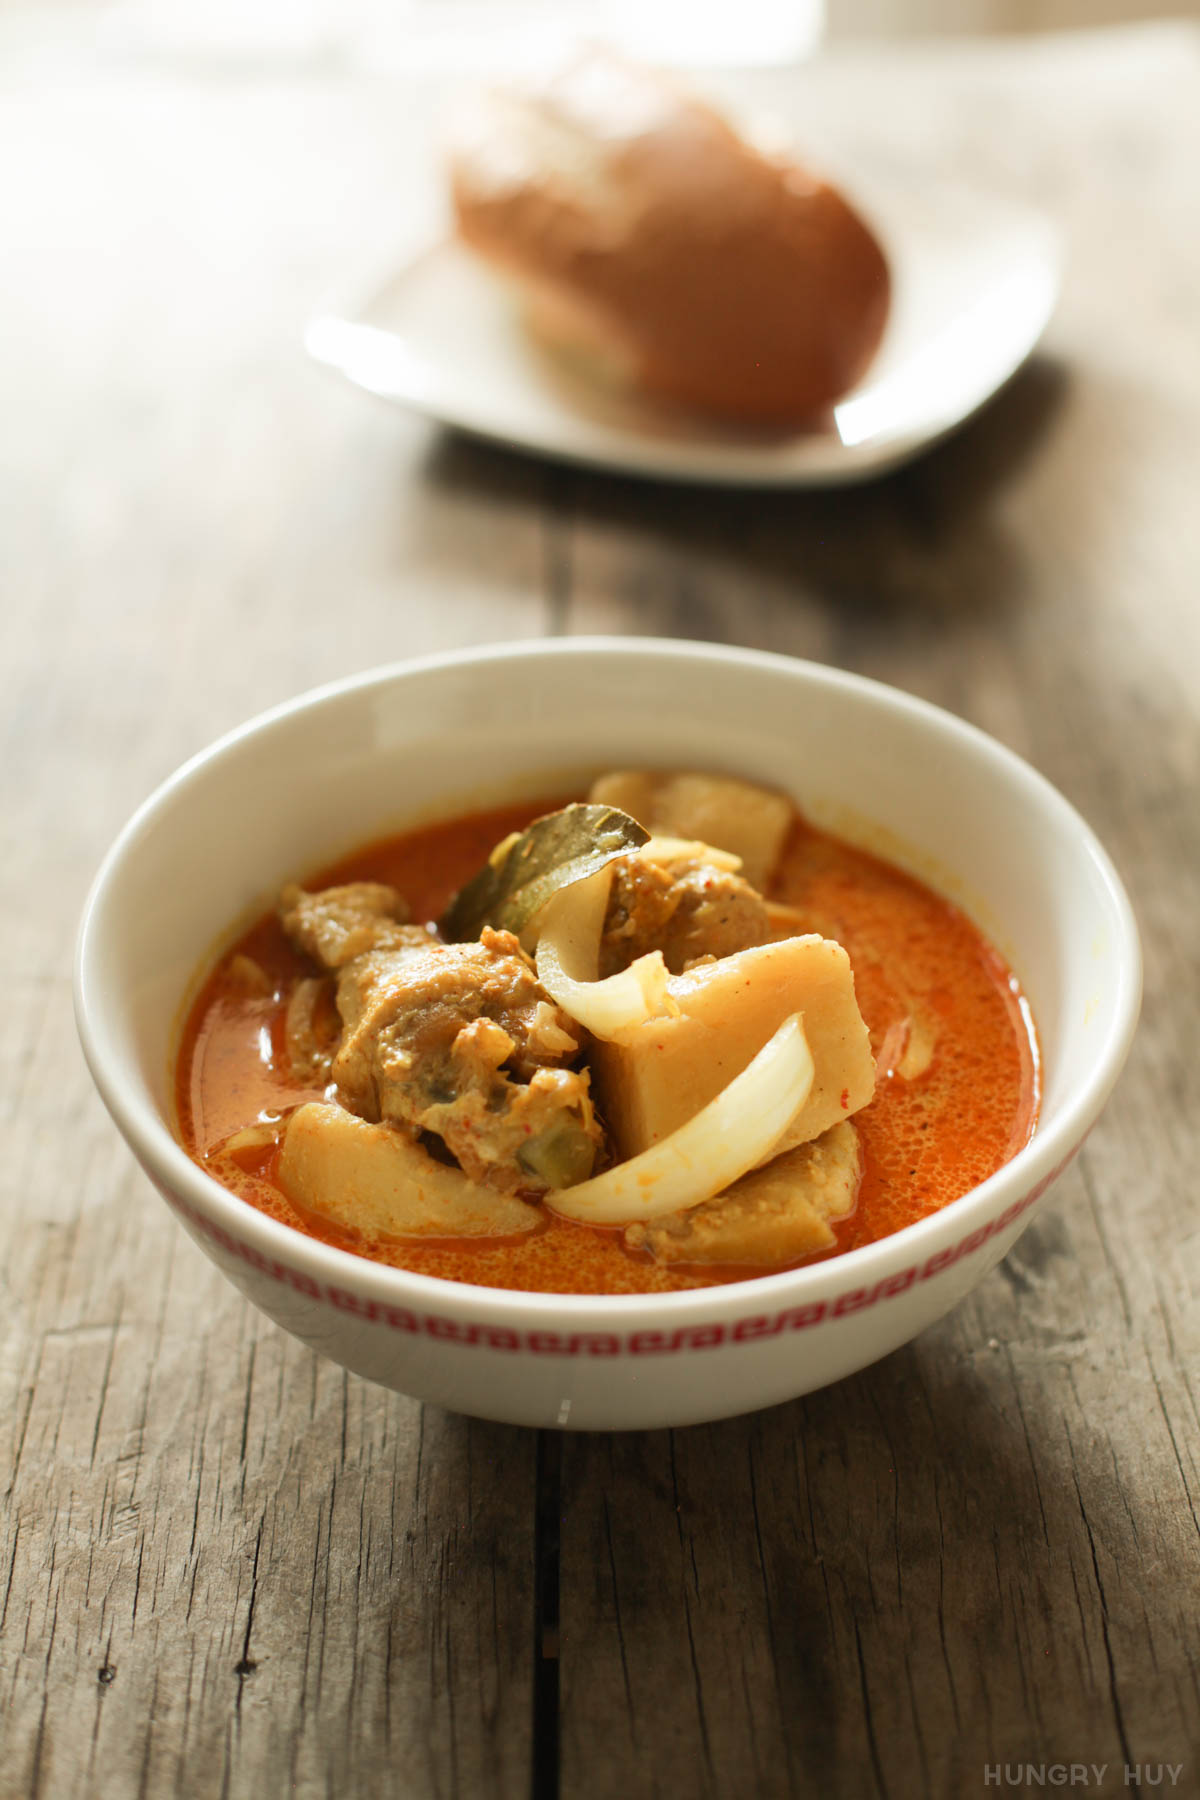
(229, 1569)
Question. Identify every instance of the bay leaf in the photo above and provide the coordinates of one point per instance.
(527, 868)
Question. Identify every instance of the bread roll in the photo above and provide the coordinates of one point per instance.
(647, 235)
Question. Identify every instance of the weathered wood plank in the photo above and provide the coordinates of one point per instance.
(942, 1563)
(985, 1549)
(236, 1568)
(225, 1567)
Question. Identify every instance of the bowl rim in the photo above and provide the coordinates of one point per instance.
(1025, 1175)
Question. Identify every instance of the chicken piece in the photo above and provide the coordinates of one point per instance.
(772, 1217)
(340, 923)
(690, 910)
(359, 979)
(735, 815)
(462, 1040)
(311, 1029)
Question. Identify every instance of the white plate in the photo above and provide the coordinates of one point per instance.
(974, 282)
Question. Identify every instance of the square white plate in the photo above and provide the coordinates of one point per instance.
(975, 278)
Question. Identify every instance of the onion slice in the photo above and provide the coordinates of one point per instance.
(669, 850)
(731, 1134)
(567, 955)
(567, 934)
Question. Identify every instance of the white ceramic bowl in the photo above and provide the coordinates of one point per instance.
(309, 781)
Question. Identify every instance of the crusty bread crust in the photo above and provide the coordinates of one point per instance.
(648, 233)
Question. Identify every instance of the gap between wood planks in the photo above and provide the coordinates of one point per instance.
(547, 1519)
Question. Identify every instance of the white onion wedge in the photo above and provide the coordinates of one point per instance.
(568, 948)
(721, 1142)
(565, 936)
(668, 850)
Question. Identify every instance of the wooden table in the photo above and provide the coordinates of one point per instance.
(228, 1568)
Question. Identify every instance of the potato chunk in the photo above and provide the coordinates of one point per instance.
(734, 815)
(665, 1070)
(774, 1216)
(373, 1179)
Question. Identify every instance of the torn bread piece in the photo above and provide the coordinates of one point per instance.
(665, 1070)
(772, 1217)
(663, 245)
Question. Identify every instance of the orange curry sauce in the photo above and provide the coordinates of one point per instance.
(925, 1141)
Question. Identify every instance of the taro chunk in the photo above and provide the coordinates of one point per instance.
(773, 1216)
(738, 816)
(663, 1071)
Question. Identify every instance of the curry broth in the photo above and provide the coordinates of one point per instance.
(925, 1140)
